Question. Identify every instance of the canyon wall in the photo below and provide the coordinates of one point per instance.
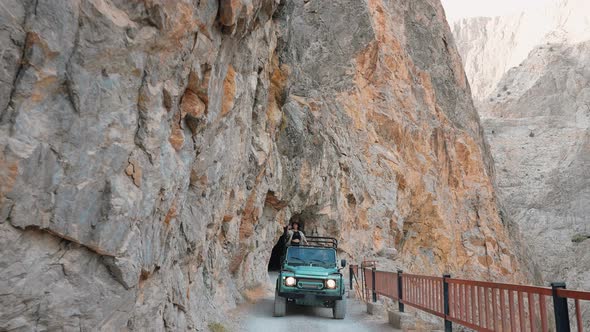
(151, 152)
(538, 125)
(490, 46)
(531, 74)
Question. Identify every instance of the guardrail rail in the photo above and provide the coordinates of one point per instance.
(478, 305)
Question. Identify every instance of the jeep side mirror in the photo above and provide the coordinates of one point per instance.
(343, 263)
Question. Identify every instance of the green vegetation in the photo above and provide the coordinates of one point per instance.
(216, 327)
(578, 238)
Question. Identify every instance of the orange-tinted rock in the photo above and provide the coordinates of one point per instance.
(229, 10)
(199, 83)
(192, 105)
(278, 81)
(177, 135)
(172, 214)
(274, 201)
(229, 91)
(133, 170)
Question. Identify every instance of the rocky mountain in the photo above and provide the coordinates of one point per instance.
(151, 152)
(490, 46)
(531, 76)
(538, 125)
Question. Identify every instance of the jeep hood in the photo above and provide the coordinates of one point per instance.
(311, 271)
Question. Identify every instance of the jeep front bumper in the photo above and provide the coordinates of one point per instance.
(310, 296)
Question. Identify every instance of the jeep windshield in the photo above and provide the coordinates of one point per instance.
(298, 256)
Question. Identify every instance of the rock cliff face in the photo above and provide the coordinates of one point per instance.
(538, 125)
(150, 152)
(490, 46)
(536, 118)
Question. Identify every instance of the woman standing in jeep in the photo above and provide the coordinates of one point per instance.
(295, 237)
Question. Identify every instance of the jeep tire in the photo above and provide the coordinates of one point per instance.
(280, 307)
(339, 310)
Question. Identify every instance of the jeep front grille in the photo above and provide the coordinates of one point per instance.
(306, 283)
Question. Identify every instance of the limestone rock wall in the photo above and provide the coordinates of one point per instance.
(490, 46)
(530, 76)
(150, 152)
(537, 123)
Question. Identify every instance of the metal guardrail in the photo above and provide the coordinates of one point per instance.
(479, 305)
(321, 241)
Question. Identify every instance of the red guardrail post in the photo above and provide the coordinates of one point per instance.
(448, 323)
(562, 318)
(400, 288)
(364, 284)
(374, 287)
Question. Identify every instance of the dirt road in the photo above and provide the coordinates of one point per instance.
(258, 317)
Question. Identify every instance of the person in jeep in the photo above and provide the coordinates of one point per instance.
(294, 236)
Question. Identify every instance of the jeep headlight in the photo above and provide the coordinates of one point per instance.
(331, 283)
(290, 281)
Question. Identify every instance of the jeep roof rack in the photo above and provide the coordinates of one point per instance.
(321, 241)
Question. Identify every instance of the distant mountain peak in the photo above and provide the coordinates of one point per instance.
(490, 46)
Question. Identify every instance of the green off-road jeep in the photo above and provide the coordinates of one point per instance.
(310, 276)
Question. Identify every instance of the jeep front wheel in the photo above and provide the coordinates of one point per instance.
(339, 310)
(280, 307)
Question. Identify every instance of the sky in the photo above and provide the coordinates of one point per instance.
(457, 9)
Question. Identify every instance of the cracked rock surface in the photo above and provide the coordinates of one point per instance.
(152, 151)
(538, 125)
(534, 101)
(535, 105)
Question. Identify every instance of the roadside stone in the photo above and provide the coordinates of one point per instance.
(401, 320)
(375, 309)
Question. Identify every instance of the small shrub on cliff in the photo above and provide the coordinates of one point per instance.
(216, 327)
(578, 238)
